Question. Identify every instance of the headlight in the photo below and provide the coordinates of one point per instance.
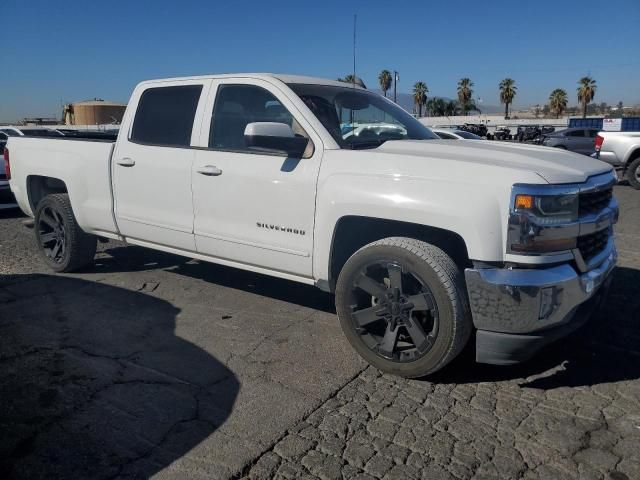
(548, 209)
(543, 219)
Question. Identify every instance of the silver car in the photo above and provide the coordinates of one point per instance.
(579, 140)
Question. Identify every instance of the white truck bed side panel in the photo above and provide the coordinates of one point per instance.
(82, 165)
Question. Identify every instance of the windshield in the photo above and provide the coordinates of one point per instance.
(359, 119)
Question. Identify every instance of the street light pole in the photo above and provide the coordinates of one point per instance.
(395, 84)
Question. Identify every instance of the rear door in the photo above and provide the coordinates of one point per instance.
(254, 207)
(153, 160)
(575, 140)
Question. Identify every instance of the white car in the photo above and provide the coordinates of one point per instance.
(423, 241)
(29, 131)
(455, 134)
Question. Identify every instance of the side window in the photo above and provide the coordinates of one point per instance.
(592, 133)
(238, 105)
(165, 115)
(576, 133)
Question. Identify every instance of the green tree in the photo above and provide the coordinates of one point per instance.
(385, 78)
(465, 93)
(452, 108)
(507, 92)
(558, 102)
(420, 91)
(586, 92)
(348, 79)
(436, 107)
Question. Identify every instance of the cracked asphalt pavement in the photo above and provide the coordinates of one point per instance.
(152, 365)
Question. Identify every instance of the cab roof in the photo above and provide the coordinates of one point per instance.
(263, 76)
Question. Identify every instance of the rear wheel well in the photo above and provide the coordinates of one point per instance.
(354, 232)
(39, 187)
(635, 154)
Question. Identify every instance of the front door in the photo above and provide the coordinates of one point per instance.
(254, 207)
(152, 165)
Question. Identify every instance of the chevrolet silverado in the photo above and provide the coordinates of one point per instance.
(424, 242)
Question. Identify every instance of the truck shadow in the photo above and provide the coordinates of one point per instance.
(606, 349)
(131, 258)
(94, 382)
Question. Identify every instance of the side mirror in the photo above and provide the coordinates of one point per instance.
(274, 137)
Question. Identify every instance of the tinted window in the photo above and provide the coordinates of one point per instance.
(575, 133)
(592, 133)
(3, 136)
(445, 136)
(40, 132)
(468, 135)
(9, 132)
(165, 115)
(238, 105)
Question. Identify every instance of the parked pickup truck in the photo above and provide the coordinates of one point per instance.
(423, 241)
(622, 150)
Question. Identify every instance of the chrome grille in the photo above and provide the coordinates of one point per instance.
(592, 244)
(594, 202)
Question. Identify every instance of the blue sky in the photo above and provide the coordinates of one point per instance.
(71, 50)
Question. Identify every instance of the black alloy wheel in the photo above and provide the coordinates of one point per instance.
(394, 311)
(51, 234)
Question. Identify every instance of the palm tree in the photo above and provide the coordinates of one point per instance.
(385, 78)
(436, 107)
(558, 101)
(586, 92)
(451, 108)
(420, 91)
(348, 79)
(507, 92)
(465, 93)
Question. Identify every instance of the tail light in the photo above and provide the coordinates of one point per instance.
(598, 142)
(7, 165)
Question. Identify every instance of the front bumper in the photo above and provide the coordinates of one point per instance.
(518, 311)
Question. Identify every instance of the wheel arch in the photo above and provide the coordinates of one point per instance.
(39, 186)
(633, 155)
(353, 232)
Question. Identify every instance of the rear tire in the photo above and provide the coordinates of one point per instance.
(403, 306)
(633, 173)
(62, 243)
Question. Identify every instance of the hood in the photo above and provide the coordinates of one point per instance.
(552, 164)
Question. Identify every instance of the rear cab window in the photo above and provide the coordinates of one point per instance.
(165, 116)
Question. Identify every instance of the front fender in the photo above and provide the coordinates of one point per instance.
(465, 208)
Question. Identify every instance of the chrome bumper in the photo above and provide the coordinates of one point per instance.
(520, 301)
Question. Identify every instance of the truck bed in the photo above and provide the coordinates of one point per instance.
(81, 164)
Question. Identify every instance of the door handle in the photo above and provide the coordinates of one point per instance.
(209, 171)
(126, 162)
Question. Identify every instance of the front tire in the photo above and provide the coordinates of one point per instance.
(62, 243)
(633, 173)
(403, 306)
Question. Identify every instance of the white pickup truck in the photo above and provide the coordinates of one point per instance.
(423, 241)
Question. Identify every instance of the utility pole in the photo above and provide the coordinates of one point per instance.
(395, 84)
